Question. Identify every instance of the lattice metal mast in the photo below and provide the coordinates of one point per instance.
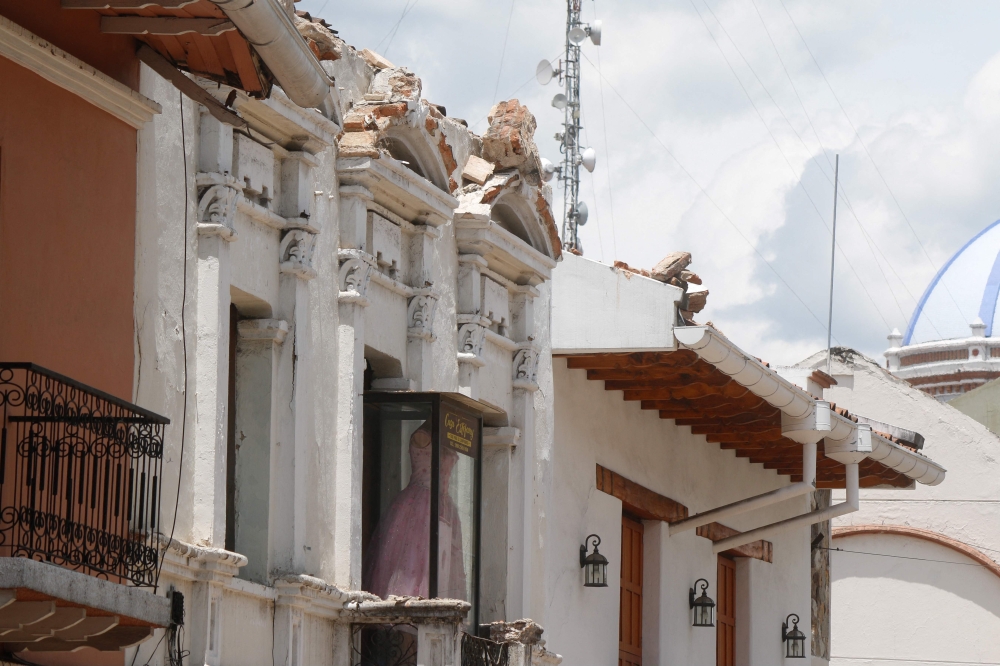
(573, 153)
(569, 138)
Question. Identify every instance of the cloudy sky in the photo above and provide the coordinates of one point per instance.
(716, 124)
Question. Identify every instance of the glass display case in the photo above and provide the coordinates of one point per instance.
(421, 496)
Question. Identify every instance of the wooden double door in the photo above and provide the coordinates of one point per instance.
(630, 607)
(630, 601)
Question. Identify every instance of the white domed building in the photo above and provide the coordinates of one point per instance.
(952, 343)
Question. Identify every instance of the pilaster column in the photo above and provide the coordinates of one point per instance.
(354, 273)
(217, 197)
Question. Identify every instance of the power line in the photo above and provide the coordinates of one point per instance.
(870, 158)
(775, 139)
(708, 196)
(904, 557)
(503, 52)
(869, 241)
(395, 28)
(518, 89)
(607, 151)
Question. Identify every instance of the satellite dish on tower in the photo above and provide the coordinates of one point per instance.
(544, 72)
(577, 34)
(582, 214)
(548, 170)
(595, 33)
(589, 159)
(559, 101)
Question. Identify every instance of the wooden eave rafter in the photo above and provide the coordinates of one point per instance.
(193, 35)
(694, 393)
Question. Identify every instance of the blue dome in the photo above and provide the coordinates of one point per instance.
(966, 288)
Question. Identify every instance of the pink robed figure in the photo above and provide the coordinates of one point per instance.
(398, 559)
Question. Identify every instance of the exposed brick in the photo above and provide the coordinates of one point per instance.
(391, 110)
(509, 141)
(544, 212)
(447, 155)
(430, 125)
(671, 265)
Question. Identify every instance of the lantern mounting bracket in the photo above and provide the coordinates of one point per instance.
(584, 548)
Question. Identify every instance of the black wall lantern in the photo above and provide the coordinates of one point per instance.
(703, 606)
(595, 565)
(794, 640)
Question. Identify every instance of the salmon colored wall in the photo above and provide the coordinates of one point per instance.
(67, 232)
(77, 31)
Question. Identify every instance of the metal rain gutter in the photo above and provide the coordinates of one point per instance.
(850, 452)
(273, 35)
(794, 401)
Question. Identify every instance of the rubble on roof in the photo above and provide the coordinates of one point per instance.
(323, 41)
(671, 265)
(510, 139)
(375, 60)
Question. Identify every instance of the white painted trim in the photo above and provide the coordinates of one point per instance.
(72, 74)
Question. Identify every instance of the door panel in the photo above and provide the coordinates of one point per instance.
(630, 608)
(726, 613)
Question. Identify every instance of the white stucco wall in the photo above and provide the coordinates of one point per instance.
(594, 426)
(916, 601)
(908, 602)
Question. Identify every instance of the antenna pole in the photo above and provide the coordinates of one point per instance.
(833, 259)
(570, 137)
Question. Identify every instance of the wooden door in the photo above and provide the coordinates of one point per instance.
(726, 613)
(630, 609)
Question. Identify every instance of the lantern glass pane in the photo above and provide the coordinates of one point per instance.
(796, 647)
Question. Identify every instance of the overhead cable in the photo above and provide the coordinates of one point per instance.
(704, 192)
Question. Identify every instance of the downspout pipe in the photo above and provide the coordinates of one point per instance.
(807, 430)
(850, 454)
(271, 32)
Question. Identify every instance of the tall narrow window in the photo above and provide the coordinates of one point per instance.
(630, 608)
(234, 317)
(725, 653)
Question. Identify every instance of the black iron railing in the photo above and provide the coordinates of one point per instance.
(384, 645)
(80, 476)
(484, 652)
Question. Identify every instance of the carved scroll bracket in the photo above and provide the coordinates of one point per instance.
(420, 315)
(218, 196)
(295, 253)
(354, 276)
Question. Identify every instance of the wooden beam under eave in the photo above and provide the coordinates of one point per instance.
(744, 420)
(675, 359)
(760, 550)
(639, 500)
(679, 376)
(719, 429)
(125, 4)
(164, 25)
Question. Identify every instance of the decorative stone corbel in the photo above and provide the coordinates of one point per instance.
(470, 344)
(420, 315)
(526, 369)
(218, 195)
(354, 275)
(295, 253)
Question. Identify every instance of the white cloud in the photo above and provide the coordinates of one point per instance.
(920, 81)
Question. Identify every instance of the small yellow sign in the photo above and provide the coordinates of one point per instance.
(460, 432)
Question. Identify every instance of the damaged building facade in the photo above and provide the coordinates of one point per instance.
(304, 377)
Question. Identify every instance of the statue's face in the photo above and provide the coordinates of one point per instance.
(421, 439)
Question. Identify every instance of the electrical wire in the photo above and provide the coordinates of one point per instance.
(395, 28)
(704, 192)
(870, 158)
(777, 144)
(518, 89)
(869, 241)
(184, 270)
(903, 557)
(607, 150)
(503, 52)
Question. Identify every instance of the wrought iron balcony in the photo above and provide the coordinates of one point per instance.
(80, 476)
